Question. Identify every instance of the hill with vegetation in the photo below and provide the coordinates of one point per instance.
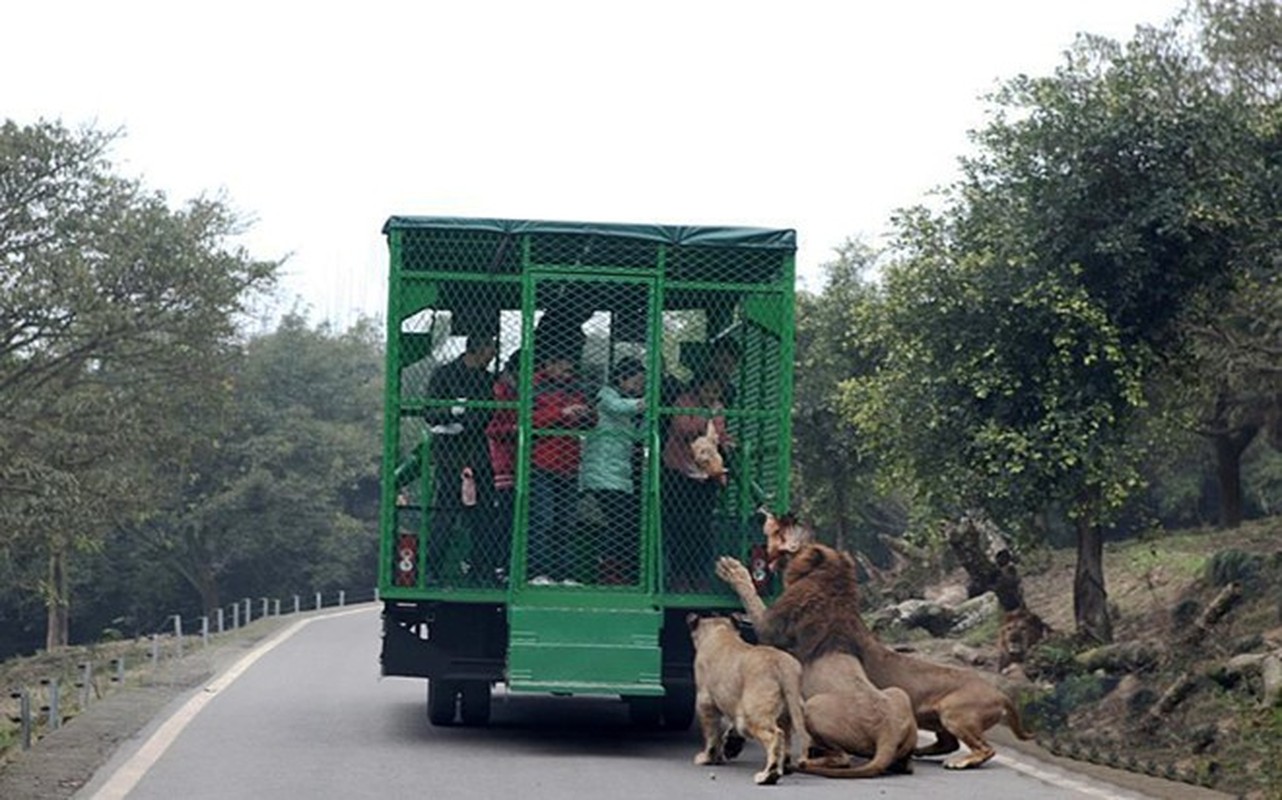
(1184, 691)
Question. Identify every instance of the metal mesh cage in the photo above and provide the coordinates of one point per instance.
(588, 406)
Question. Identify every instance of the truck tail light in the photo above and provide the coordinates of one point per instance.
(406, 567)
(759, 568)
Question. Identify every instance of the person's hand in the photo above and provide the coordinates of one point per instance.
(640, 404)
(458, 411)
(575, 411)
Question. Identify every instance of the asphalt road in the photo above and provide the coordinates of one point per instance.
(309, 717)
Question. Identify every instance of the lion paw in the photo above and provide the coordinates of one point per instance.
(704, 758)
(732, 572)
(973, 759)
(767, 777)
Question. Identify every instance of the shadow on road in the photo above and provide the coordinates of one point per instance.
(546, 725)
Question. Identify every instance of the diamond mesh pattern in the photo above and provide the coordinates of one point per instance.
(555, 393)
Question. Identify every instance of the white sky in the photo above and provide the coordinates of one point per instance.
(320, 120)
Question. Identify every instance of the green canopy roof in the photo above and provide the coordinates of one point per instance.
(688, 235)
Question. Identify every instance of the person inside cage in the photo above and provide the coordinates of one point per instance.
(459, 451)
(723, 363)
(606, 474)
(689, 490)
(501, 434)
(559, 405)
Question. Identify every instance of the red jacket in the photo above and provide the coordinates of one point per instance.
(559, 454)
(501, 433)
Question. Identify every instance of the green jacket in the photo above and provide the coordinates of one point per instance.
(607, 451)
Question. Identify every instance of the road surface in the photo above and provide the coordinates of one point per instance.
(306, 715)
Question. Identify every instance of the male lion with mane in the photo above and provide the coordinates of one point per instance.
(818, 614)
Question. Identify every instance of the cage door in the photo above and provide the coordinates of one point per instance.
(592, 384)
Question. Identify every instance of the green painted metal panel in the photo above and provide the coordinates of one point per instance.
(584, 650)
(414, 296)
(766, 311)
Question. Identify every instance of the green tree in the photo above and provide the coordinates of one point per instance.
(108, 298)
(833, 466)
(1022, 320)
(279, 493)
(1228, 374)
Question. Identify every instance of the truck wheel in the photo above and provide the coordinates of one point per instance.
(475, 708)
(442, 701)
(678, 708)
(645, 712)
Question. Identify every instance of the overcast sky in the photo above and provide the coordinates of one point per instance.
(320, 120)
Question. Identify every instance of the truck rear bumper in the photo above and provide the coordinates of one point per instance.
(444, 641)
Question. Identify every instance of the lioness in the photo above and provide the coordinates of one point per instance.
(818, 613)
(752, 689)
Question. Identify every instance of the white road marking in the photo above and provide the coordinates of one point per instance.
(1062, 779)
(120, 784)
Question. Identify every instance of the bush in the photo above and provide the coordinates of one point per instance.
(1051, 710)
(1229, 566)
(1055, 658)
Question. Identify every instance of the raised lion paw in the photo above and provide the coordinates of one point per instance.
(733, 572)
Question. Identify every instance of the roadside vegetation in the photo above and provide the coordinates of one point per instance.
(161, 451)
(1182, 692)
(1078, 341)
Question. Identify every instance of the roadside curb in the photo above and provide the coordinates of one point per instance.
(1129, 781)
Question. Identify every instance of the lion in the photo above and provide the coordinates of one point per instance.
(846, 714)
(753, 689)
(1021, 630)
(818, 614)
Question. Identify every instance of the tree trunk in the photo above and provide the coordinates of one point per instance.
(207, 586)
(58, 626)
(964, 540)
(1090, 600)
(1229, 447)
(843, 524)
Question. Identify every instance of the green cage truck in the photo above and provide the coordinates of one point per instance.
(579, 418)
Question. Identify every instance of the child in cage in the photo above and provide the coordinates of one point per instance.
(606, 474)
(558, 405)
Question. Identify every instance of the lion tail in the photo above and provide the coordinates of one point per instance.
(839, 772)
(884, 756)
(1014, 723)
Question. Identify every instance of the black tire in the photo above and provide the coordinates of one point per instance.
(645, 712)
(475, 705)
(678, 708)
(442, 701)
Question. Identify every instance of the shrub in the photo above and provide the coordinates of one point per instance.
(1229, 566)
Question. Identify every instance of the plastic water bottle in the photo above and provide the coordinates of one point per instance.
(467, 492)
